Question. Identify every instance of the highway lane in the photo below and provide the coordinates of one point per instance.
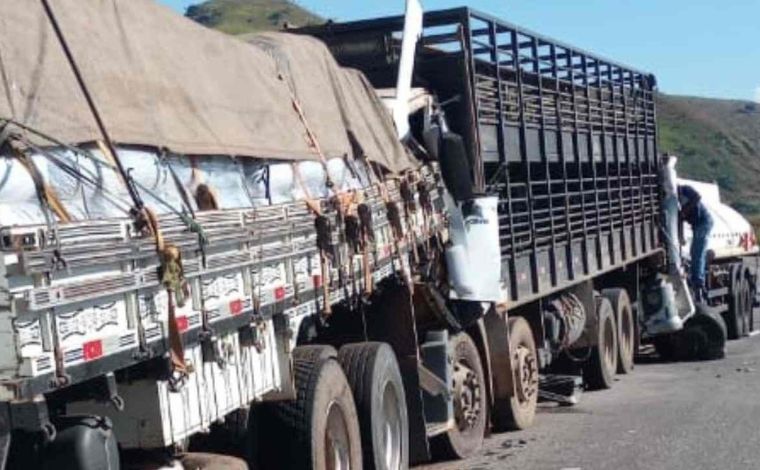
(669, 416)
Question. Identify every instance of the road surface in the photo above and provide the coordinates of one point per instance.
(669, 416)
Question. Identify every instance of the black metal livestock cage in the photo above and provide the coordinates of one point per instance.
(566, 139)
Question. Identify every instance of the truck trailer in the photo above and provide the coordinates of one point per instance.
(567, 143)
(354, 245)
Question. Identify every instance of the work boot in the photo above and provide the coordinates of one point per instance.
(700, 294)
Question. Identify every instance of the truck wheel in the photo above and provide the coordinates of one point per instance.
(599, 371)
(373, 374)
(746, 292)
(465, 438)
(320, 428)
(712, 332)
(733, 318)
(626, 328)
(521, 409)
(82, 443)
(666, 347)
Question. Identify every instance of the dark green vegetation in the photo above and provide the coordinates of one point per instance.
(716, 140)
(247, 16)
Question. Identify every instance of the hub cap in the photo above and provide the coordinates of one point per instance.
(466, 396)
(526, 373)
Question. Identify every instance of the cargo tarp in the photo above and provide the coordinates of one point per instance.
(161, 80)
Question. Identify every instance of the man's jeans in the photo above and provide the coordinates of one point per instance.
(699, 248)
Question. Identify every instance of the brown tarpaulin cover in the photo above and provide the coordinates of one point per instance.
(161, 80)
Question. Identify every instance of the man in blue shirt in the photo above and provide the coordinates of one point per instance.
(694, 212)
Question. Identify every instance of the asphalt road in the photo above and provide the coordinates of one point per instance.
(669, 416)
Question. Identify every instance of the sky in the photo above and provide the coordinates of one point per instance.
(694, 47)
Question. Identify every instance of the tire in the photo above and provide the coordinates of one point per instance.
(375, 379)
(626, 328)
(666, 347)
(319, 429)
(711, 330)
(752, 297)
(466, 437)
(746, 293)
(734, 321)
(519, 412)
(599, 371)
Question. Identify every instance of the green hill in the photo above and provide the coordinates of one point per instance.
(247, 16)
(716, 140)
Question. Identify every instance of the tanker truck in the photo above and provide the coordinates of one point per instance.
(360, 244)
(732, 261)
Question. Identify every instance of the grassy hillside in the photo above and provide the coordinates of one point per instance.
(246, 16)
(717, 140)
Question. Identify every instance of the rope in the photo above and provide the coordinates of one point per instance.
(76, 173)
(134, 194)
(189, 221)
(48, 197)
(171, 271)
(313, 141)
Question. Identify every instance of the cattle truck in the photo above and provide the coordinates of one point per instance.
(213, 243)
(566, 143)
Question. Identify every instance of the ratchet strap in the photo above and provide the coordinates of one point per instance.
(323, 227)
(172, 278)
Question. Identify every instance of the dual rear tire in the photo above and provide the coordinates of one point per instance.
(626, 328)
(345, 402)
(739, 315)
(375, 379)
(600, 369)
(616, 340)
(319, 429)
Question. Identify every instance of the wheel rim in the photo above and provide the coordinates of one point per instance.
(337, 443)
(392, 430)
(527, 374)
(466, 396)
(609, 344)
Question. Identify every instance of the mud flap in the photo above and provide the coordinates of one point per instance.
(684, 303)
